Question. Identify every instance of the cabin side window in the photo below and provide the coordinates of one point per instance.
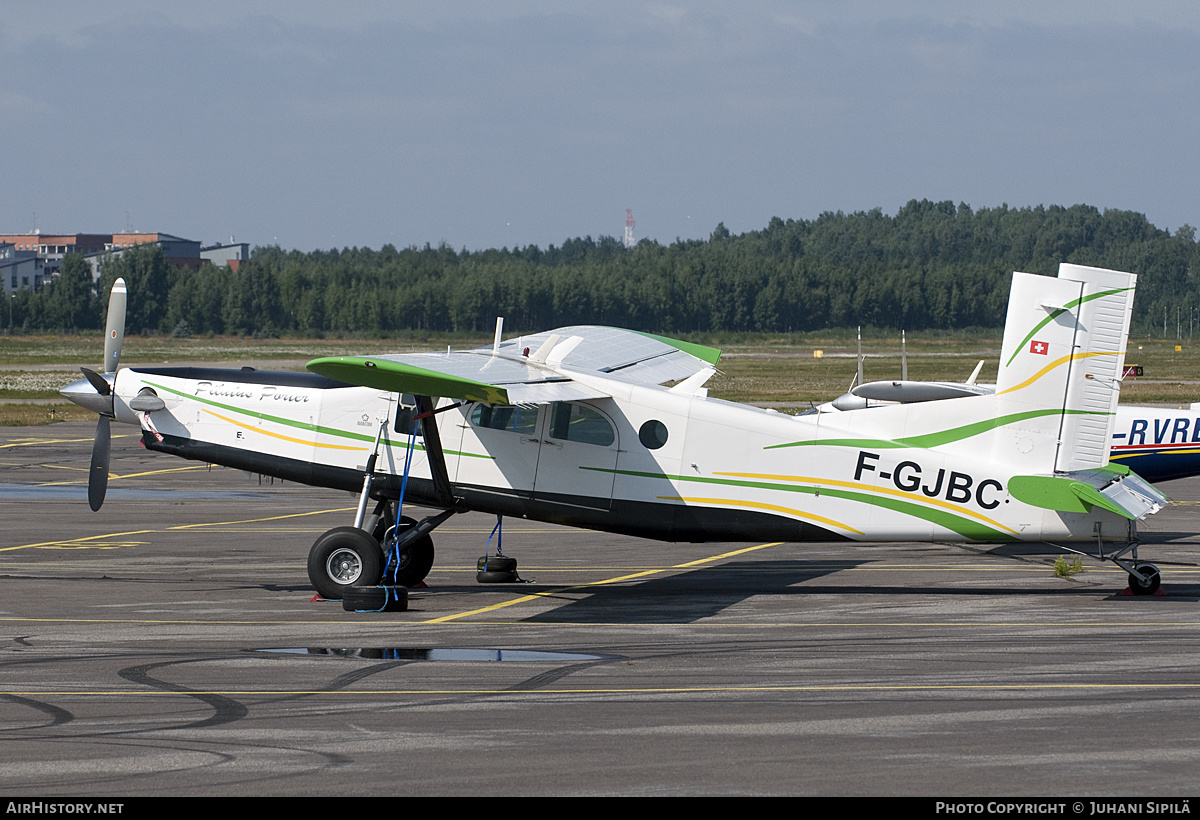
(653, 434)
(514, 419)
(578, 422)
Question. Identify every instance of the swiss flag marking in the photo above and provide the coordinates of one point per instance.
(1041, 348)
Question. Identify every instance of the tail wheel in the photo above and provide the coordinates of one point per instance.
(341, 557)
(1148, 585)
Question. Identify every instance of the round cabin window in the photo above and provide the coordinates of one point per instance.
(653, 434)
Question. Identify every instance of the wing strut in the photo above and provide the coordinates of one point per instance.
(433, 452)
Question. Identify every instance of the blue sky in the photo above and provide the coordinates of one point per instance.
(511, 123)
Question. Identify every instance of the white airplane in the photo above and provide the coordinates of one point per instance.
(577, 426)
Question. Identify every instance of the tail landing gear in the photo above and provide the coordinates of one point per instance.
(1145, 579)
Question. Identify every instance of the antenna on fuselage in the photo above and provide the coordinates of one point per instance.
(860, 360)
(975, 372)
(903, 358)
(499, 332)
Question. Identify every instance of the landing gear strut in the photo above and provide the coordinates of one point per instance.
(1144, 577)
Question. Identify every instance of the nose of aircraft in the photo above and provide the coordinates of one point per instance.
(84, 393)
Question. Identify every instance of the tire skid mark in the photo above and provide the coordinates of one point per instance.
(225, 709)
(336, 759)
(342, 681)
(549, 677)
(58, 716)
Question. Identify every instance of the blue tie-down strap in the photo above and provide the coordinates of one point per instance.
(498, 534)
(391, 595)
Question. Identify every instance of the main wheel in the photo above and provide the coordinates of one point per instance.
(1149, 586)
(410, 567)
(341, 557)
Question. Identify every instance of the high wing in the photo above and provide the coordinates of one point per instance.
(545, 367)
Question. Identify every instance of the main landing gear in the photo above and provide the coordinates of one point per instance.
(407, 560)
(380, 552)
(380, 549)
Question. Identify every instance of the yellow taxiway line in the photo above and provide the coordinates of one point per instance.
(175, 528)
(33, 441)
(114, 476)
(629, 577)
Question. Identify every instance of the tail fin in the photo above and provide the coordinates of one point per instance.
(1064, 346)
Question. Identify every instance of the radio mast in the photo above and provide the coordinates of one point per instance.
(630, 222)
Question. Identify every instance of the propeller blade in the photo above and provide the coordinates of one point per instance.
(97, 381)
(114, 328)
(98, 475)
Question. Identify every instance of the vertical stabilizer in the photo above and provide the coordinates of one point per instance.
(1064, 346)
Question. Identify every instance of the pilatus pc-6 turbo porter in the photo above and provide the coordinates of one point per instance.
(577, 426)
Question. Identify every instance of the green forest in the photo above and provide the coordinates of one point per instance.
(932, 266)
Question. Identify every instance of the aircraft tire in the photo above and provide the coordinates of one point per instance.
(1148, 587)
(375, 599)
(496, 563)
(341, 557)
(415, 561)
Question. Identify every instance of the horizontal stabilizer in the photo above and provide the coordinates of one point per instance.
(1127, 494)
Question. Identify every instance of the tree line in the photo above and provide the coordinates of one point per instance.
(934, 265)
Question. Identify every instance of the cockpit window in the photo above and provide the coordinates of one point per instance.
(514, 419)
(578, 422)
